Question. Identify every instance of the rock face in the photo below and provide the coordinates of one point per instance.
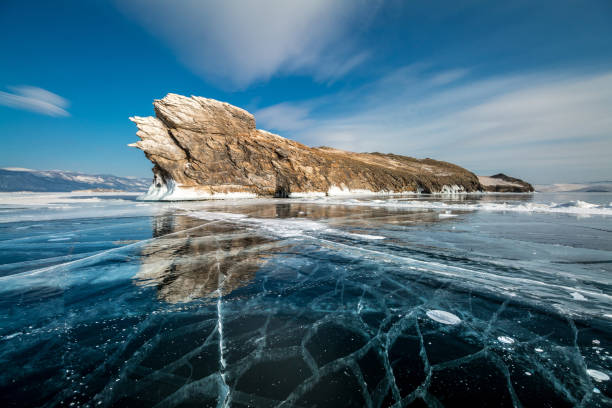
(500, 183)
(202, 148)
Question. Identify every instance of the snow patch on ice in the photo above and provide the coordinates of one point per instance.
(19, 207)
(212, 215)
(363, 236)
(307, 194)
(283, 227)
(343, 191)
(577, 296)
(576, 204)
(574, 207)
(55, 200)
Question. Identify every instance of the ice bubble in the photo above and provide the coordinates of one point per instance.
(505, 340)
(527, 373)
(598, 375)
(538, 350)
(443, 317)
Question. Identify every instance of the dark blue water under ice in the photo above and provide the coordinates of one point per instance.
(485, 300)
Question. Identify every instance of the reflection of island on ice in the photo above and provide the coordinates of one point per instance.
(199, 254)
(208, 261)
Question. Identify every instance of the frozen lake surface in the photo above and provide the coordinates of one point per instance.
(477, 300)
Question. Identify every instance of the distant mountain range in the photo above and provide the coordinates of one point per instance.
(593, 187)
(18, 179)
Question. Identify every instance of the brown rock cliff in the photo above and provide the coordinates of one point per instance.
(203, 148)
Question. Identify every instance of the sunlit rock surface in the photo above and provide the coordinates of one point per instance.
(203, 148)
(330, 302)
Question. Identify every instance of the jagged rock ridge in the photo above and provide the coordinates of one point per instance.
(203, 148)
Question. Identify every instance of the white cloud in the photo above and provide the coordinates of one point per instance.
(284, 116)
(446, 77)
(242, 42)
(544, 126)
(35, 99)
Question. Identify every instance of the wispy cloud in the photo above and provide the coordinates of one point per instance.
(240, 42)
(35, 99)
(285, 116)
(545, 126)
(446, 77)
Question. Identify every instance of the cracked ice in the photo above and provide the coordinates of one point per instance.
(301, 303)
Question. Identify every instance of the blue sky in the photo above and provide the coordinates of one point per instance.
(521, 87)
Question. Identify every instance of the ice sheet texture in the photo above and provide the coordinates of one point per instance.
(299, 303)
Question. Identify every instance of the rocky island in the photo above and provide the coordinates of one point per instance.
(500, 183)
(205, 149)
